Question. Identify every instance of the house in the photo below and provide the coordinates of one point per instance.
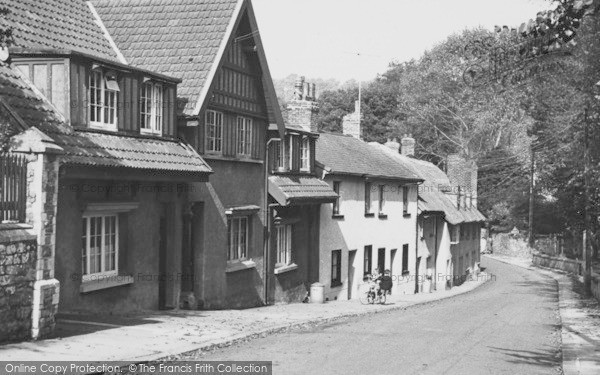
(296, 195)
(226, 106)
(373, 223)
(449, 224)
(123, 177)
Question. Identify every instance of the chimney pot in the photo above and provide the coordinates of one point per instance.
(313, 91)
(306, 91)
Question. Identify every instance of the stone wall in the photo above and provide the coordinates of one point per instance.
(18, 257)
(563, 264)
(509, 245)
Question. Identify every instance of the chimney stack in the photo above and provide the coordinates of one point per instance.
(408, 145)
(351, 122)
(302, 109)
(463, 177)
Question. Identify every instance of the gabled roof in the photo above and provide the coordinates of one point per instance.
(27, 109)
(182, 38)
(345, 155)
(431, 193)
(57, 24)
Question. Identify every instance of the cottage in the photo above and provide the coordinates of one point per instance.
(124, 176)
(226, 105)
(449, 224)
(373, 223)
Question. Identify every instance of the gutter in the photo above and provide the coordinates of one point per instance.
(267, 227)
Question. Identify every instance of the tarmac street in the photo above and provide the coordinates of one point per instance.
(509, 325)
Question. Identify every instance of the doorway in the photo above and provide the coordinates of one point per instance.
(351, 273)
(381, 259)
(162, 261)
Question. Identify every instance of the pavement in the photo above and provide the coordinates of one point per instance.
(580, 316)
(509, 325)
(160, 335)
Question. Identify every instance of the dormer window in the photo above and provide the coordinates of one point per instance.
(104, 90)
(305, 154)
(151, 116)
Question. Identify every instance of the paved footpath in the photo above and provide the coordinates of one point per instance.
(580, 317)
(153, 336)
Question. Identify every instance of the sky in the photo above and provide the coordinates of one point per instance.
(321, 38)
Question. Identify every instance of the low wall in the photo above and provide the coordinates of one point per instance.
(18, 259)
(563, 264)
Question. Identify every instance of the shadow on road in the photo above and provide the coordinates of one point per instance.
(546, 358)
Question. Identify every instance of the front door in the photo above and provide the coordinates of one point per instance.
(351, 274)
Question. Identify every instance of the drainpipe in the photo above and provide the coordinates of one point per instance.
(267, 227)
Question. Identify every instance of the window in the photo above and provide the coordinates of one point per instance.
(405, 259)
(381, 199)
(368, 198)
(278, 157)
(368, 260)
(305, 154)
(237, 228)
(405, 200)
(244, 139)
(336, 267)
(103, 100)
(284, 245)
(214, 131)
(100, 245)
(290, 152)
(151, 117)
(336, 204)
(454, 234)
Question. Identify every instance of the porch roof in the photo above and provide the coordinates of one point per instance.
(290, 190)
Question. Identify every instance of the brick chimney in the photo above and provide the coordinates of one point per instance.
(408, 145)
(393, 144)
(303, 109)
(351, 122)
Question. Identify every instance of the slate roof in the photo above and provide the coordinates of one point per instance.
(346, 155)
(179, 38)
(30, 108)
(57, 24)
(300, 189)
(431, 193)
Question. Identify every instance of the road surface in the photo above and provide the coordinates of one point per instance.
(510, 325)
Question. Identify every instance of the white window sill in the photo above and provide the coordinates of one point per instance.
(284, 269)
(235, 266)
(107, 282)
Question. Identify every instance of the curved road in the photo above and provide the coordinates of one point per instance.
(510, 325)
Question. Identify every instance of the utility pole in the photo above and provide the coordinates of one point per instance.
(531, 195)
(587, 277)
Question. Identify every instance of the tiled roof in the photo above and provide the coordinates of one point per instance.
(300, 189)
(431, 193)
(343, 154)
(57, 24)
(179, 38)
(112, 150)
(31, 109)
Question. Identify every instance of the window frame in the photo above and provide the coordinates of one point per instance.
(336, 268)
(381, 200)
(86, 275)
(245, 135)
(454, 234)
(218, 128)
(405, 201)
(368, 199)
(235, 251)
(405, 259)
(101, 107)
(305, 154)
(156, 102)
(287, 230)
(367, 260)
(337, 204)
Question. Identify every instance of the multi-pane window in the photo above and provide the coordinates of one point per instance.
(336, 204)
(381, 199)
(368, 260)
(103, 99)
(99, 245)
(214, 131)
(244, 138)
(284, 245)
(405, 200)
(336, 267)
(367, 198)
(305, 154)
(278, 157)
(151, 108)
(237, 228)
(290, 152)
